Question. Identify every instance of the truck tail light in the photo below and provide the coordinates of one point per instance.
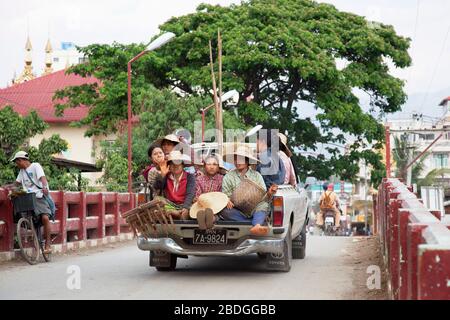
(278, 211)
(141, 198)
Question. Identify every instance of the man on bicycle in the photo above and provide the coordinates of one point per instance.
(32, 178)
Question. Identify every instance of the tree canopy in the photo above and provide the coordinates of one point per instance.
(276, 54)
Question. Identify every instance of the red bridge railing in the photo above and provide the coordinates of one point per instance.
(415, 244)
(80, 216)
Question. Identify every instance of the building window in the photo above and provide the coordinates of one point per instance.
(427, 136)
(55, 59)
(82, 60)
(440, 160)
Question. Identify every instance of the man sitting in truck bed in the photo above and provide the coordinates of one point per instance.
(231, 181)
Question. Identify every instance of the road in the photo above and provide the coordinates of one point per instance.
(122, 272)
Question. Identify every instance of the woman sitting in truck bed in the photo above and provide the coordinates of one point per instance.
(158, 170)
(209, 181)
(257, 216)
(178, 186)
(166, 145)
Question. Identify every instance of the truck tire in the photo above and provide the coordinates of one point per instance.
(299, 245)
(169, 265)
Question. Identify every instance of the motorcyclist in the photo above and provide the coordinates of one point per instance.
(329, 201)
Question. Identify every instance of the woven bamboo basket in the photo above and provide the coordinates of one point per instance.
(144, 219)
(247, 196)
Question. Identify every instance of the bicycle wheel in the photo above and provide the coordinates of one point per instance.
(28, 240)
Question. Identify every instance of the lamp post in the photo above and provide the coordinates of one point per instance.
(158, 42)
(228, 95)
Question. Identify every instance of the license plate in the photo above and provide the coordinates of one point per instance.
(329, 220)
(210, 236)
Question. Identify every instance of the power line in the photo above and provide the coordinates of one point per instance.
(435, 68)
(414, 36)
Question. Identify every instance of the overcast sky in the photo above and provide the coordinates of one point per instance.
(101, 21)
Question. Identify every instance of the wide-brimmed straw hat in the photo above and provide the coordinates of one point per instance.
(283, 140)
(216, 156)
(241, 150)
(178, 157)
(170, 137)
(216, 201)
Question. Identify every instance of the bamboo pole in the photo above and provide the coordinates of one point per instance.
(219, 111)
(216, 102)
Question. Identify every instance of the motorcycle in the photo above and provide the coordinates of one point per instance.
(329, 226)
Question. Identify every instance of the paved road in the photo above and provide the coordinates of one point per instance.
(123, 273)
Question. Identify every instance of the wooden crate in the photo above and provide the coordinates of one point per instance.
(144, 219)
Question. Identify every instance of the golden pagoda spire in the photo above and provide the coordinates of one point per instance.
(27, 73)
(48, 58)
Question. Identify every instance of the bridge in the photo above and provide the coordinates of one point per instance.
(408, 258)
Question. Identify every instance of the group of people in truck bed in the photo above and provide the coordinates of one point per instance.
(209, 192)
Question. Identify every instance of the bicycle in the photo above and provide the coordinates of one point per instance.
(29, 234)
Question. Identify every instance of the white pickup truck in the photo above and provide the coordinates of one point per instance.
(286, 239)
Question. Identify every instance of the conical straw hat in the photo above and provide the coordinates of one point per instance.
(213, 200)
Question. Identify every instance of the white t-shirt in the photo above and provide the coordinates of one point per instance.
(36, 173)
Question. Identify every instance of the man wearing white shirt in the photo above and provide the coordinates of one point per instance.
(32, 178)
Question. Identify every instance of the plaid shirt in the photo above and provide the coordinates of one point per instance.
(206, 184)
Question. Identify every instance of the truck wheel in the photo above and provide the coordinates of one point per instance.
(163, 261)
(288, 250)
(299, 245)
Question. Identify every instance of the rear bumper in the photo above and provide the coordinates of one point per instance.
(248, 246)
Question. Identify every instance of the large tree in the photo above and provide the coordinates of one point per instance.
(280, 53)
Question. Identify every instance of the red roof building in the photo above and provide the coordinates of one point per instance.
(37, 94)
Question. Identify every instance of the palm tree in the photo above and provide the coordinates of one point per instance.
(431, 178)
(403, 154)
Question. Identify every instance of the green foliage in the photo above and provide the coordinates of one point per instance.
(403, 154)
(115, 166)
(431, 179)
(14, 134)
(280, 52)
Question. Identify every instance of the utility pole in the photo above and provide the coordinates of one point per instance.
(366, 211)
(388, 152)
(410, 156)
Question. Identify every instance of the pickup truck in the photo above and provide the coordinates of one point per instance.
(286, 240)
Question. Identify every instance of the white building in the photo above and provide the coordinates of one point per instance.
(66, 56)
(439, 153)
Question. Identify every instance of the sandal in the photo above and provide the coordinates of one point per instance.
(259, 230)
(48, 251)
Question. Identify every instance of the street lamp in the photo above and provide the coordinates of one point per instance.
(226, 96)
(158, 42)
